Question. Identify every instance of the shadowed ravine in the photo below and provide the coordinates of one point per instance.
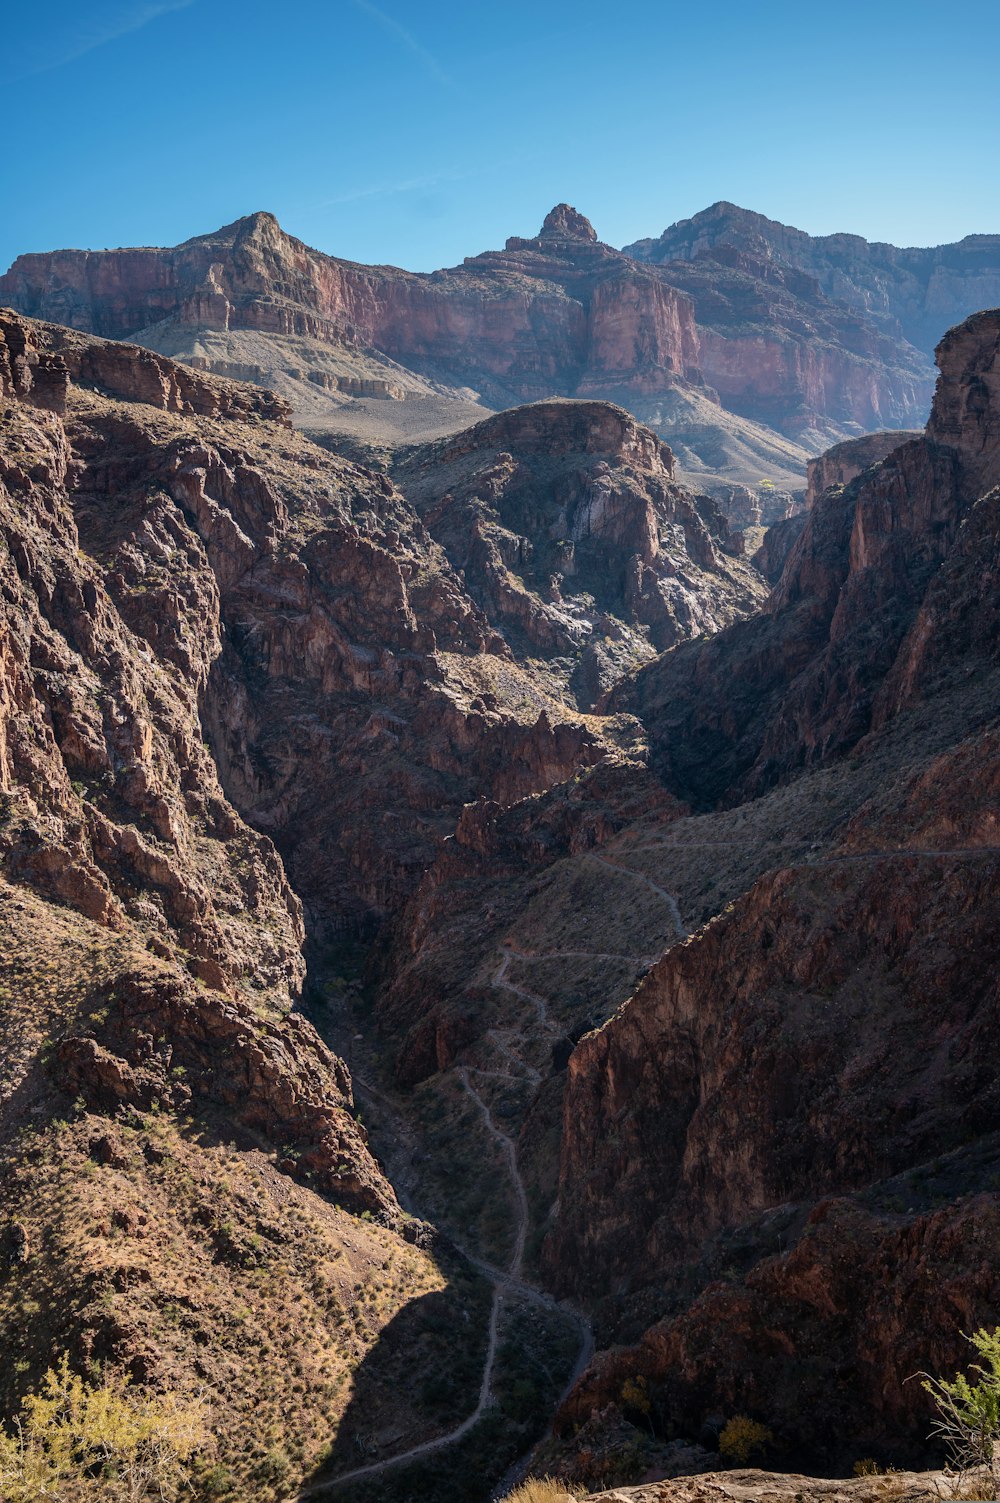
(509, 1283)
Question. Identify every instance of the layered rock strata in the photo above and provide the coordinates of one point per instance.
(784, 1142)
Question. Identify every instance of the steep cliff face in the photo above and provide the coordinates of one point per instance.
(560, 313)
(800, 683)
(924, 291)
(840, 465)
(780, 351)
(783, 1143)
(774, 1149)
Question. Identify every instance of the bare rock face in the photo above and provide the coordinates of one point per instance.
(566, 223)
(771, 993)
(209, 627)
(840, 465)
(781, 352)
(538, 319)
(778, 1144)
(802, 681)
(776, 546)
(569, 533)
(923, 291)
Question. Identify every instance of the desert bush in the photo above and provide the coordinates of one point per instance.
(543, 1490)
(742, 1438)
(968, 1412)
(78, 1441)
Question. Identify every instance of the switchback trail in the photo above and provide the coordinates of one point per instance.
(662, 892)
(507, 1283)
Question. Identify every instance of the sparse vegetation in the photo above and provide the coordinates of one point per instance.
(742, 1438)
(543, 1490)
(968, 1411)
(75, 1441)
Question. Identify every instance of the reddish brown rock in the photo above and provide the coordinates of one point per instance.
(839, 465)
(560, 313)
(801, 683)
(922, 290)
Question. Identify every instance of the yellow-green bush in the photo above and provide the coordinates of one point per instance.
(742, 1438)
(78, 1441)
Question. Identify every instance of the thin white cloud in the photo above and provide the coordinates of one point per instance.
(118, 23)
(406, 39)
(415, 184)
(389, 190)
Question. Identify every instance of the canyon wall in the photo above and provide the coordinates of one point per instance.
(780, 1142)
(559, 313)
(923, 291)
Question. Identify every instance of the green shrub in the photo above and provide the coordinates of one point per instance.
(968, 1418)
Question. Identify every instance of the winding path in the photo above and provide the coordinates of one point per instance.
(508, 1282)
(668, 897)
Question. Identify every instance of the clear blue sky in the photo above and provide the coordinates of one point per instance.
(417, 134)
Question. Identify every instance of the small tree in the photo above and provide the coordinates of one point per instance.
(78, 1441)
(968, 1418)
(742, 1438)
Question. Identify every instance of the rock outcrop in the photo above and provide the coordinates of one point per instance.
(257, 696)
(780, 1142)
(571, 535)
(840, 465)
(923, 291)
(805, 681)
(749, 1485)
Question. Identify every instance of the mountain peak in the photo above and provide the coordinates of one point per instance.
(566, 223)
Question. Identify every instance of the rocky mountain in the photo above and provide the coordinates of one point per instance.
(784, 1138)
(391, 356)
(242, 674)
(921, 292)
(783, 353)
(651, 914)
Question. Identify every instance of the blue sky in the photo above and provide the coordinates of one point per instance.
(417, 134)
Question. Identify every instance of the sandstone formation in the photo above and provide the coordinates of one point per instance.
(782, 1145)
(922, 291)
(839, 465)
(384, 353)
(781, 352)
(562, 313)
(185, 1183)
